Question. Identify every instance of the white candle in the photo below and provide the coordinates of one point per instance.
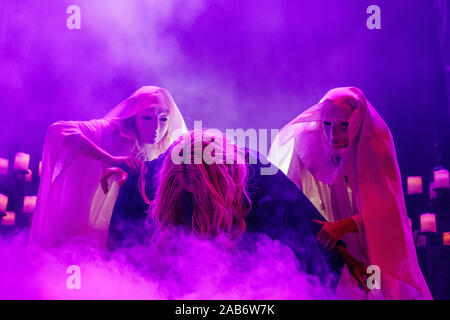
(4, 164)
(21, 161)
(433, 194)
(441, 179)
(40, 168)
(29, 203)
(3, 202)
(414, 185)
(9, 219)
(446, 238)
(29, 176)
(428, 222)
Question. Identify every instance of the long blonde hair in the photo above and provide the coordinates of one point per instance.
(216, 192)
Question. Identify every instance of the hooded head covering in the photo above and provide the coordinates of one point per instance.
(142, 99)
(371, 153)
(319, 158)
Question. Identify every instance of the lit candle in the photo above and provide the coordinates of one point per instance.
(9, 219)
(40, 168)
(29, 202)
(428, 222)
(21, 161)
(3, 202)
(29, 176)
(446, 238)
(4, 164)
(441, 179)
(410, 223)
(433, 194)
(414, 185)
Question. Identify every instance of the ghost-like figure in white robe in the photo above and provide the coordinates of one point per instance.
(71, 202)
(361, 181)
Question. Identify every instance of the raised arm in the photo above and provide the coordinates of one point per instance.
(75, 140)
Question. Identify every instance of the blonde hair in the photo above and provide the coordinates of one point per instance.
(216, 191)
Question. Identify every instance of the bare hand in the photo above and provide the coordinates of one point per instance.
(357, 269)
(114, 171)
(130, 161)
(329, 234)
(359, 272)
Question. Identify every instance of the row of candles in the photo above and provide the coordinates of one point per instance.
(428, 224)
(441, 181)
(415, 186)
(29, 203)
(21, 163)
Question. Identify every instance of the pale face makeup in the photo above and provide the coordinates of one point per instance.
(335, 122)
(152, 124)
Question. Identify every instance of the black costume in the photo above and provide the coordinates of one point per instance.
(278, 209)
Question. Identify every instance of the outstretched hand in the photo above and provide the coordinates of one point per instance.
(129, 161)
(329, 234)
(359, 272)
(114, 171)
(357, 269)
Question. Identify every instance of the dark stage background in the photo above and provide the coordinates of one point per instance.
(232, 64)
